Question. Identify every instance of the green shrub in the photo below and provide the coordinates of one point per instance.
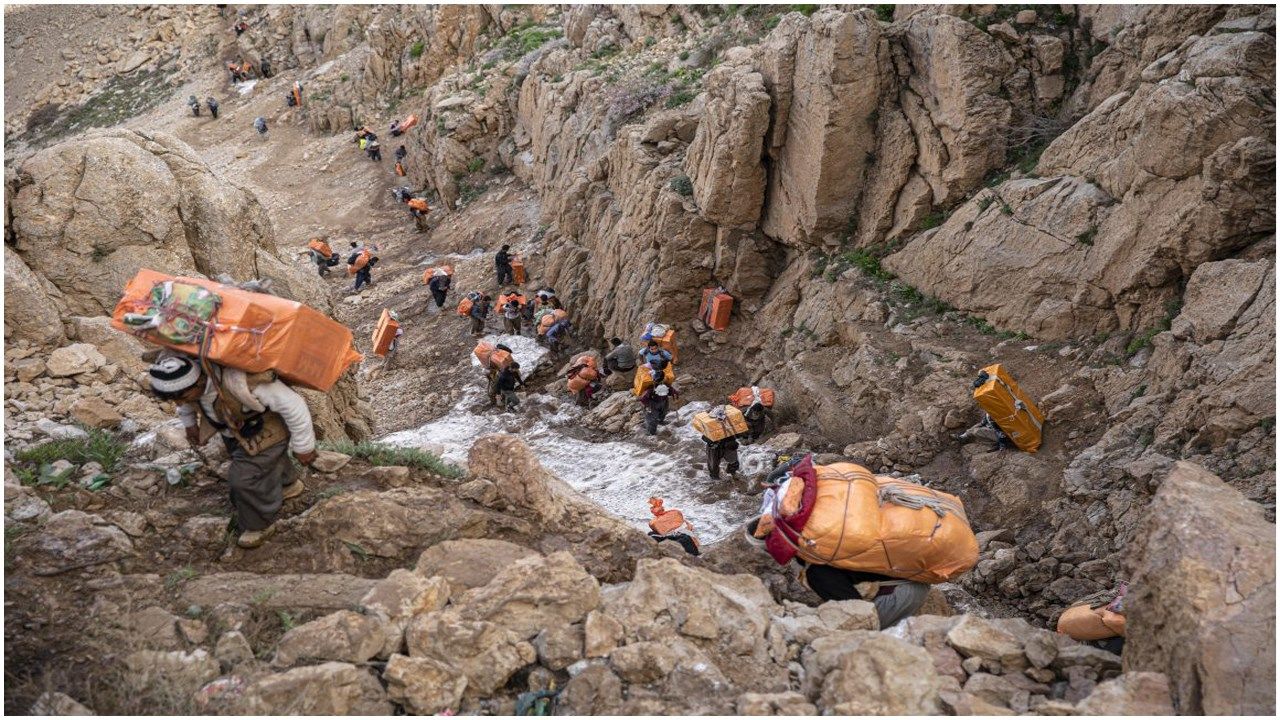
(475, 164)
(884, 12)
(1086, 237)
(380, 454)
(100, 446)
(682, 185)
(681, 97)
(933, 220)
(416, 49)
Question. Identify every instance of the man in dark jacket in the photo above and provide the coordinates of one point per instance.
(502, 263)
(505, 385)
(213, 106)
(894, 599)
(656, 401)
(479, 313)
(439, 287)
(725, 450)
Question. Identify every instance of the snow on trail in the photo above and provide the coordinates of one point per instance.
(620, 473)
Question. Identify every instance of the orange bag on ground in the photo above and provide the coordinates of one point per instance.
(586, 374)
(715, 308)
(715, 430)
(644, 378)
(433, 271)
(1087, 623)
(320, 246)
(251, 331)
(464, 307)
(384, 333)
(517, 270)
(1010, 408)
(745, 397)
(408, 123)
(860, 522)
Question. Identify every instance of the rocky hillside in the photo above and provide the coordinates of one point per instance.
(896, 196)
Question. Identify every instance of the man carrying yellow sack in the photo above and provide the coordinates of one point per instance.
(259, 418)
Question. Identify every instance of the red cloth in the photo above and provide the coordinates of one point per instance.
(777, 543)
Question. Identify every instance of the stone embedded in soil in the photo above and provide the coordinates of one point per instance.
(56, 703)
(332, 688)
(233, 649)
(469, 563)
(343, 636)
(424, 686)
(328, 461)
(73, 360)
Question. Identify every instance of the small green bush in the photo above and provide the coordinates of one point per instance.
(475, 164)
(681, 97)
(933, 220)
(1086, 237)
(682, 185)
(380, 454)
(99, 446)
(884, 12)
(416, 49)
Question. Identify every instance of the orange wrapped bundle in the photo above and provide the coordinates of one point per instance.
(584, 372)
(550, 319)
(384, 333)
(320, 246)
(644, 378)
(887, 526)
(249, 331)
(745, 397)
(519, 297)
(491, 357)
(1083, 622)
(434, 271)
(517, 270)
(1010, 408)
(665, 521)
(362, 259)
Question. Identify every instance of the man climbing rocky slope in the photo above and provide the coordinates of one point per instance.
(893, 199)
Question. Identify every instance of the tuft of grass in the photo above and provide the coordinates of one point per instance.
(1086, 237)
(356, 549)
(682, 185)
(380, 454)
(416, 49)
(287, 620)
(100, 446)
(681, 97)
(475, 164)
(933, 220)
(180, 576)
(526, 38)
(262, 596)
(884, 12)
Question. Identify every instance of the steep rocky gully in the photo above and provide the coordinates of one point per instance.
(895, 196)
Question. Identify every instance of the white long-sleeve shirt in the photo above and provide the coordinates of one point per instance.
(276, 396)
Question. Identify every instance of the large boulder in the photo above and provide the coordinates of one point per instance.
(532, 594)
(724, 161)
(469, 563)
(89, 213)
(1201, 605)
(332, 688)
(398, 598)
(73, 539)
(345, 636)
(423, 685)
(868, 673)
(726, 616)
(486, 653)
(1133, 693)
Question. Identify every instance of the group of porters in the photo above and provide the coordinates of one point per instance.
(837, 517)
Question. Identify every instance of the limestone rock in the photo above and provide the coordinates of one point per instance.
(559, 646)
(233, 649)
(532, 594)
(724, 161)
(56, 703)
(72, 538)
(1202, 599)
(332, 688)
(343, 636)
(74, 360)
(486, 653)
(725, 616)
(1133, 693)
(423, 685)
(469, 563)
(95, 412)
(174, 671)
(976, 637)
(514, 469)
(763, 704)
(328, 461)
(867, 673)
(398, 598)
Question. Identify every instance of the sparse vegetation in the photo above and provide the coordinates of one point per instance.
(526, 38)
(287, 620)
(416, 49)
(476, 164)
(379, 454)
(180, 576)
(33, 465)
(682, 185)
(884, 12)
(933, 220)
(1086, 237)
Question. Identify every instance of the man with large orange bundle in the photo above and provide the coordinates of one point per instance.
(260, 420)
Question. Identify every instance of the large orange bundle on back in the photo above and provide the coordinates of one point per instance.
(1010, 408)
(644, 378)
(320, 246)
(715, 429)
(584, 372)
(1083, 622)
(491, 357)
(384, 333)
(550, 319)
(745, 397)
(408, 123)
(519, 297)
(248, 331)
(887, 526)
(362, 259)
(517, 270)
(434, 271)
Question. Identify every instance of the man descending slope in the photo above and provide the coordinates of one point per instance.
(260, 420)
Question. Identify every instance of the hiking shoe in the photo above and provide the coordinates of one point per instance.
(255, 538)
(293, 490)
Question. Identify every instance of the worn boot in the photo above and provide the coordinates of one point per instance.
(255, 538)
(293, 490)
